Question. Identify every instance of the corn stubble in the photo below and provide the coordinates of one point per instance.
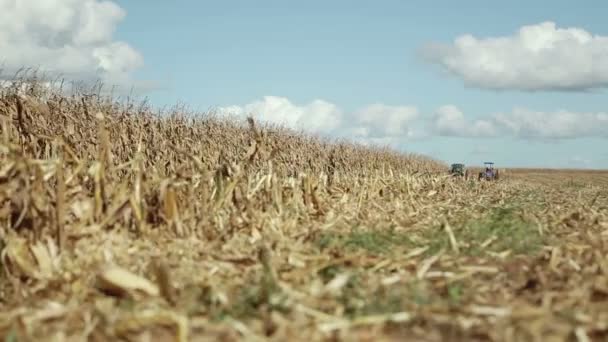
(119, 224)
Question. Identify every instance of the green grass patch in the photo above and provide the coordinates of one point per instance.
(507, 228)
(511, 230)
(374, 241)
(455, 293)
(505, 225)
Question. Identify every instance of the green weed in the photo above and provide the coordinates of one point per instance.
(455, 292)
(510, 230)
(505, 226)
(376, 242)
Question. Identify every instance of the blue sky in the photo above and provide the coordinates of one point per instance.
(276, 58)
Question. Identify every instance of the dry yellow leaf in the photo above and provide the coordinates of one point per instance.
(118, 281)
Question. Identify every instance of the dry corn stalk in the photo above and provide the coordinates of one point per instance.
(354, 243)
(118, 281)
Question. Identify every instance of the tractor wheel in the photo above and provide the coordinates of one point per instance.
(496, 176)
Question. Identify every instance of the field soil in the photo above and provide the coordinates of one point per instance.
(119, 225)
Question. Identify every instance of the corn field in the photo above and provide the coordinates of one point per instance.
(119, 223)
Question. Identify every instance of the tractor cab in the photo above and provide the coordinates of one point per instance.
(489, 166)
(489, 173)
(458, 169)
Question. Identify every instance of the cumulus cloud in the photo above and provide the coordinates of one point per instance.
(521, 123)
(392, 125)
(317, 116)
(537, 57)
(450, 121)
(73, 38)
(560, 124)
(376, 123)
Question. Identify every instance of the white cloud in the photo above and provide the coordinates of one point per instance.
(317, 116)
(70, 37)
(382, 121)
(393, 125)
(450, 121)
(521, 123)
(537, 57)
(525, 123)
(376, 123)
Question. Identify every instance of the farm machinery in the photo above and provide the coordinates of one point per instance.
(459, 170)
(490, 173)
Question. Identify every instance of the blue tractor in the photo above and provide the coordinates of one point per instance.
(490, 173)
